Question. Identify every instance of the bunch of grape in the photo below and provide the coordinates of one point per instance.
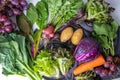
(13, 7)
(5, 24)
(108, 69)
(10, 8)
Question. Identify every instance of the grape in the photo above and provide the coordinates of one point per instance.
(2, 31)
(23, 2)
(3, 18)
(113, 67)
(14, 2)
(2, 1)
(104, 72)
(25, 7)
(107, 64)
(17, 11)
(9, 12)
(8, 28)
(98, 70)
(7, 22)
(109, 59)
(110, 73)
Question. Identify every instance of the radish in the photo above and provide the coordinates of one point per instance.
(49, 31)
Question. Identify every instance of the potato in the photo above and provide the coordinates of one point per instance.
(66, 34)
(77, 36)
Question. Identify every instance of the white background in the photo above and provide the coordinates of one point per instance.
(115, 14)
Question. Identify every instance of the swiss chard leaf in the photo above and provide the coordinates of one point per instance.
(42, 9)
(32, 14)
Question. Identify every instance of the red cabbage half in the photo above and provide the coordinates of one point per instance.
(86, 50)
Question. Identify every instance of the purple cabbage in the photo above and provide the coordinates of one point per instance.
(86, 50)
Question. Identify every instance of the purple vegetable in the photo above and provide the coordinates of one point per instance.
(86, 50)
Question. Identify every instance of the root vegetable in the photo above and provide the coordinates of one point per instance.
(66, 34)
(77, 36)
(89, 65)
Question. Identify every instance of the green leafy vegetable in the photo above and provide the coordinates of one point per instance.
(85, 76)
(25, 27)
(105, 34)
(97, 10)
(16, 57)
(64, 65)
(46, 66)
(51, 66)
(57, 11)
(32, 14)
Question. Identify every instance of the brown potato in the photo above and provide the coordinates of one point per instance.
(77, 36)
(66, 34)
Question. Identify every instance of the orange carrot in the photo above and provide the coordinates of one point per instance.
(89, 65)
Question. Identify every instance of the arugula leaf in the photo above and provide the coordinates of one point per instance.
(32, 14)
(101, 29)
(105, 34)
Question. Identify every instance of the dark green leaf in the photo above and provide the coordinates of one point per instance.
(23, 24)
(101, 29)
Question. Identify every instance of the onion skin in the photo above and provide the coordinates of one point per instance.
(86, 50)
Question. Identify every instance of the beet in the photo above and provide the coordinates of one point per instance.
(86, 50)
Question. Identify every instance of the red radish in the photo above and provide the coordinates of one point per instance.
(49, 31)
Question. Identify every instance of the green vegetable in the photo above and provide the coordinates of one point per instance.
(85, 76)
(97, 10)
(32, 14)
(105, 34)
(51, 66)
(46, 66)
(64, 65)
(25, 27)
(16, 57)
(53, 13)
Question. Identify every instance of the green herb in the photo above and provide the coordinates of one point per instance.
(105, 34)
(97, 10)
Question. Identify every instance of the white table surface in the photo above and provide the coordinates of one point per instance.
(115, 14)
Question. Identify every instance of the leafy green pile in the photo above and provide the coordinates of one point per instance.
(105, 34)
(50, 66)
(105, 28)
(16, 57)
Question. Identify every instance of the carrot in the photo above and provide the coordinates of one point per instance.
(89, 65)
